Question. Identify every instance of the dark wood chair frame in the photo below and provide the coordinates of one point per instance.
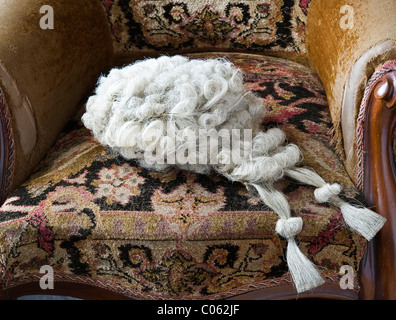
(378, 268)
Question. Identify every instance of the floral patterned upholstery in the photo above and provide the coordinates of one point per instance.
(101, 220)
(164, 25)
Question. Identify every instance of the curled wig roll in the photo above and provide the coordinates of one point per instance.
(155, 111)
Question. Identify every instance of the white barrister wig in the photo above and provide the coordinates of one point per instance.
(166, 112)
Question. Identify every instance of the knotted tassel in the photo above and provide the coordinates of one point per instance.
(362, 220)
(303, 272)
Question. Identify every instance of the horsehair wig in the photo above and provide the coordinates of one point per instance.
(151, 106)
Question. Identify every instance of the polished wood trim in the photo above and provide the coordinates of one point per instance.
(64, 289)
(89, 292)
(378, 274)
(328, 291)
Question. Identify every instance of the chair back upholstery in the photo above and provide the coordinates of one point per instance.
(275, 27)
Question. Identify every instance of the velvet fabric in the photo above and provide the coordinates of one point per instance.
(336, 45)
(46, 72)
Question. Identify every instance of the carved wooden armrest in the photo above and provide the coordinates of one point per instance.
(378, 270)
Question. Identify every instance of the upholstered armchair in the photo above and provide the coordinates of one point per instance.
(107, 228)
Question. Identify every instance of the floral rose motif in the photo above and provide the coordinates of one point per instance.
(304, 6)
(45, 235)
(208, 25)
(108, 4)
(119, 183)
(187, 207)
(177, 13)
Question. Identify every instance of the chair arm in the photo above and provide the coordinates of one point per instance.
(45, 72)
(379, 272)
(345, 44)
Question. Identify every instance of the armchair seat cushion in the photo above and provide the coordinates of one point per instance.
(101, 220)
